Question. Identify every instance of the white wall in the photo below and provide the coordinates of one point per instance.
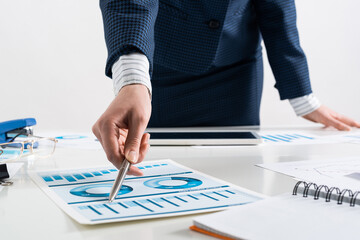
(52, 57)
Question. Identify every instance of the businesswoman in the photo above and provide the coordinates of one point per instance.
(199, 63)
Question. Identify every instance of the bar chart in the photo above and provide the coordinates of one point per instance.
(165, 189)
(285, 137)
(280, 137)
(157, 206)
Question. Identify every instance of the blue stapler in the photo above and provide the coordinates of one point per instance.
(17, 127)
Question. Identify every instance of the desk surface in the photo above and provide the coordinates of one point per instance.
(27, 213)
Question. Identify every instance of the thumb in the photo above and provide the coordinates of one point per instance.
(132, 143)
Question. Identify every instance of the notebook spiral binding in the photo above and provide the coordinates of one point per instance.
(329, 191)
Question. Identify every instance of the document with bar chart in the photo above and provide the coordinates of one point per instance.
(289, 137)
(166, 189)
(305, 137)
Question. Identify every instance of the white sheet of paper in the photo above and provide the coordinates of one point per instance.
(166, 189)
(78, 141)
(340, 172)
(348, 137)
(74, 140)
(286, 217)
(13, 168)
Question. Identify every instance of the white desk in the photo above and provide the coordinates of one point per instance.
(27, 213)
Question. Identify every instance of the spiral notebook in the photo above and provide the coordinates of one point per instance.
(310, 212)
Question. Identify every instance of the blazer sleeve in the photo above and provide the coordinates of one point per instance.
(128, 27)
(277, 22)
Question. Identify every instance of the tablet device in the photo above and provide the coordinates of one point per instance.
(205, 138)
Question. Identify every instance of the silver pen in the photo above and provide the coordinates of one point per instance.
(124, 168)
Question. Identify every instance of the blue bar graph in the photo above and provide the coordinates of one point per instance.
(57, 177)
(78, 176)
(61, 179)
(88, 175)
(303, 136)
(70, 178)
(47, 179)
(154, 165)
(180, 199)
(229, 191)
(122, 204)
(292, 136)
(156, 204)
(193, 197)
(94, 210)
(278, 138)
(139, 204)
(209, 196)
(221, 195)
(285, 137)
(166, 205)
(111, 209)
(97, 174)
(168, 201)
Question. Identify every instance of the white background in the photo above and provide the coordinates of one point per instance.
(53, 53)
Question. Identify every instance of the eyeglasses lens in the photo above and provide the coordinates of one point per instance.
(9, 152)
(43, 147)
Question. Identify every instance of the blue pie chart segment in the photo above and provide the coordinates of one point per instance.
(189, 183)
(90, 190)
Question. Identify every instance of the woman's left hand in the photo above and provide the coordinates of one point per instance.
(329, 118)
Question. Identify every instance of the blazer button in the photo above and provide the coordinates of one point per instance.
(214, 24)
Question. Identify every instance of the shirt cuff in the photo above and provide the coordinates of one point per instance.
(130, 69)
(305, 104)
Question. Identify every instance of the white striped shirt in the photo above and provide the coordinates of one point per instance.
(131, 69)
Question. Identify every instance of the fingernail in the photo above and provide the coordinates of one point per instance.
(132, 157)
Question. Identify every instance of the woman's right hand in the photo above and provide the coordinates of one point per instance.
(120, 129)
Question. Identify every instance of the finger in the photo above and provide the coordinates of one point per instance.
(95, 130)
(123, 132)
(122, 136)
(336, 124)
(110, 143)
(122, 139)
(347, 121)
(97, 133)
(135, 171)
(133, 139)
(143, 151)
(145, 138)
(144, 147)
(122, 147)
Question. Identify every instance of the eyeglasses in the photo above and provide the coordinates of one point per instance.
(41, 147)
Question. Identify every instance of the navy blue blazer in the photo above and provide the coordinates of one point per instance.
(195, 37)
